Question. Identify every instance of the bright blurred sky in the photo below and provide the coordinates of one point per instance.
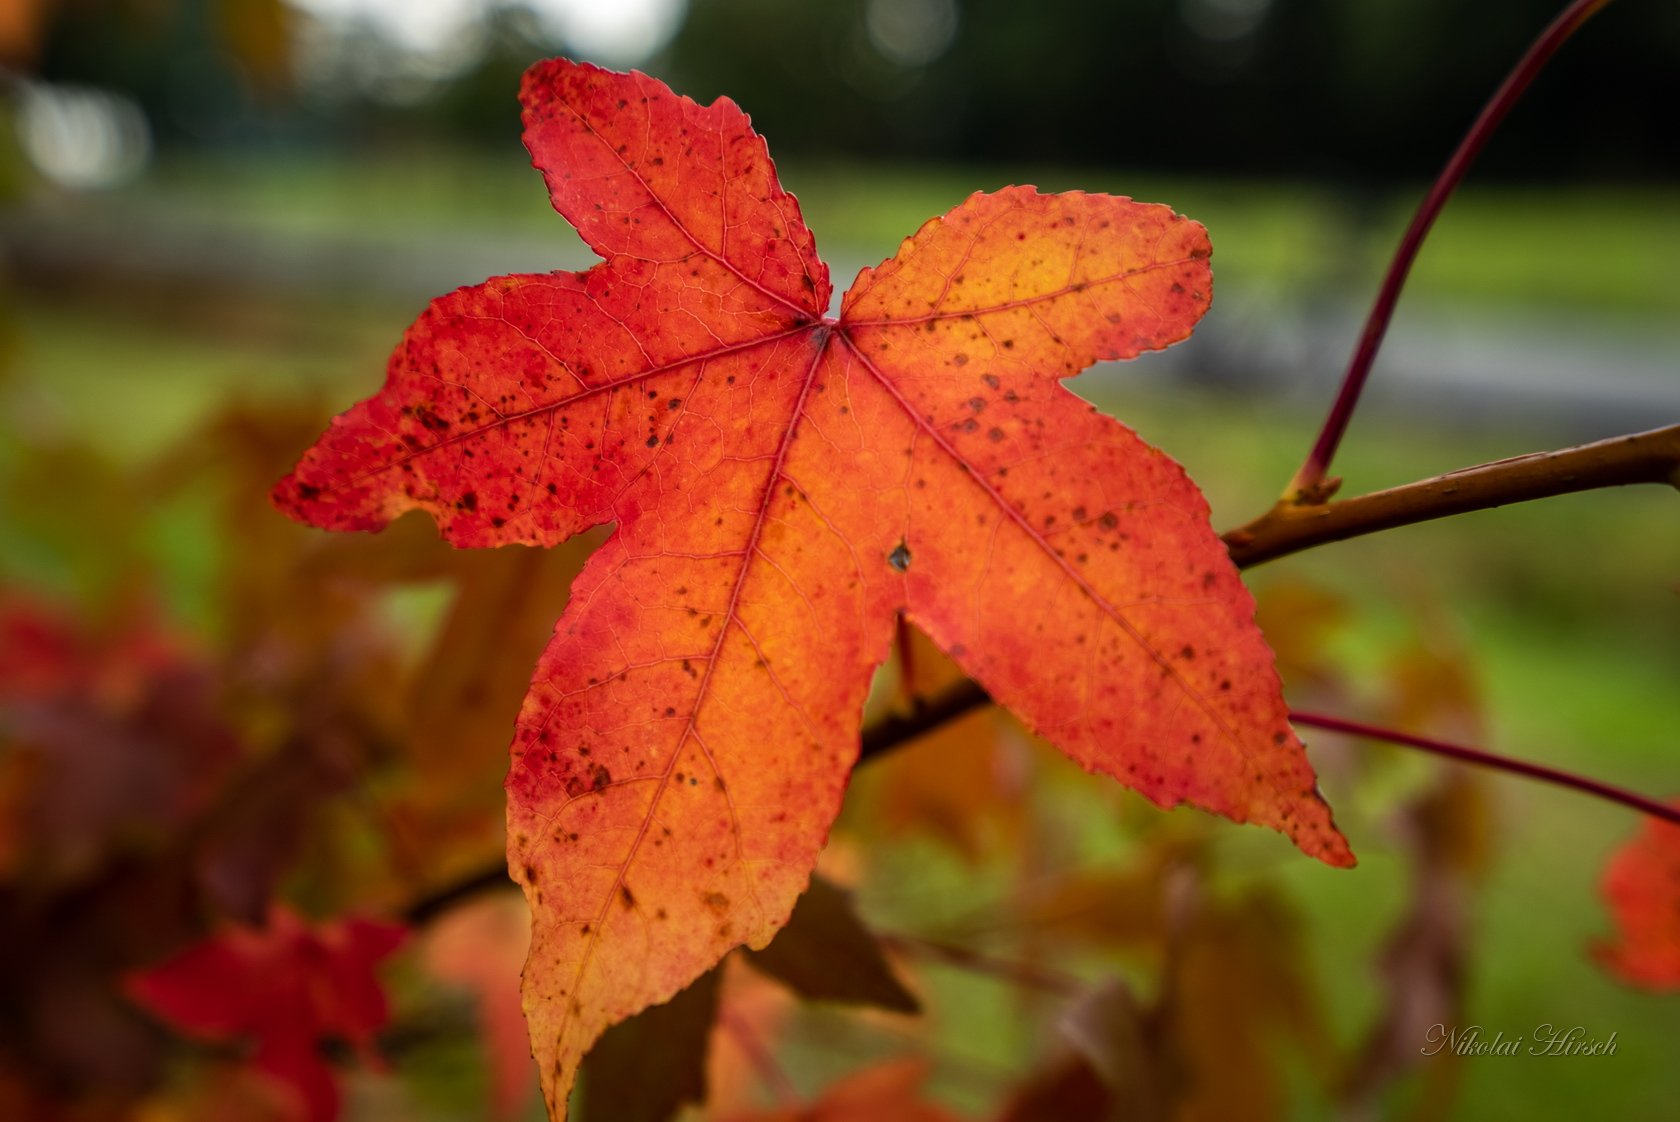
(621, 31)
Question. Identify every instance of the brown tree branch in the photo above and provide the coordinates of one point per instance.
(1647, 457)
(491, 875)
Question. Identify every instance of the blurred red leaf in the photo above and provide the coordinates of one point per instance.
(109, 739)
(1642, 887)
(286, 989)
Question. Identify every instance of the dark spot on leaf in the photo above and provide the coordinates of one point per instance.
(899, 558)
(430, 419)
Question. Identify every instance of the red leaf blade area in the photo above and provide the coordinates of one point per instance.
(783, 485)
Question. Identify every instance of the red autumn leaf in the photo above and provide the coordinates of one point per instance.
(783, 483)
(286, 989)
(1642, 885)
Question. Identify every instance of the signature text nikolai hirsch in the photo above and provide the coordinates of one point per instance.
(1545, 1040)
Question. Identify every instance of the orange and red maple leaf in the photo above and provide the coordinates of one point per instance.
(783, 485)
